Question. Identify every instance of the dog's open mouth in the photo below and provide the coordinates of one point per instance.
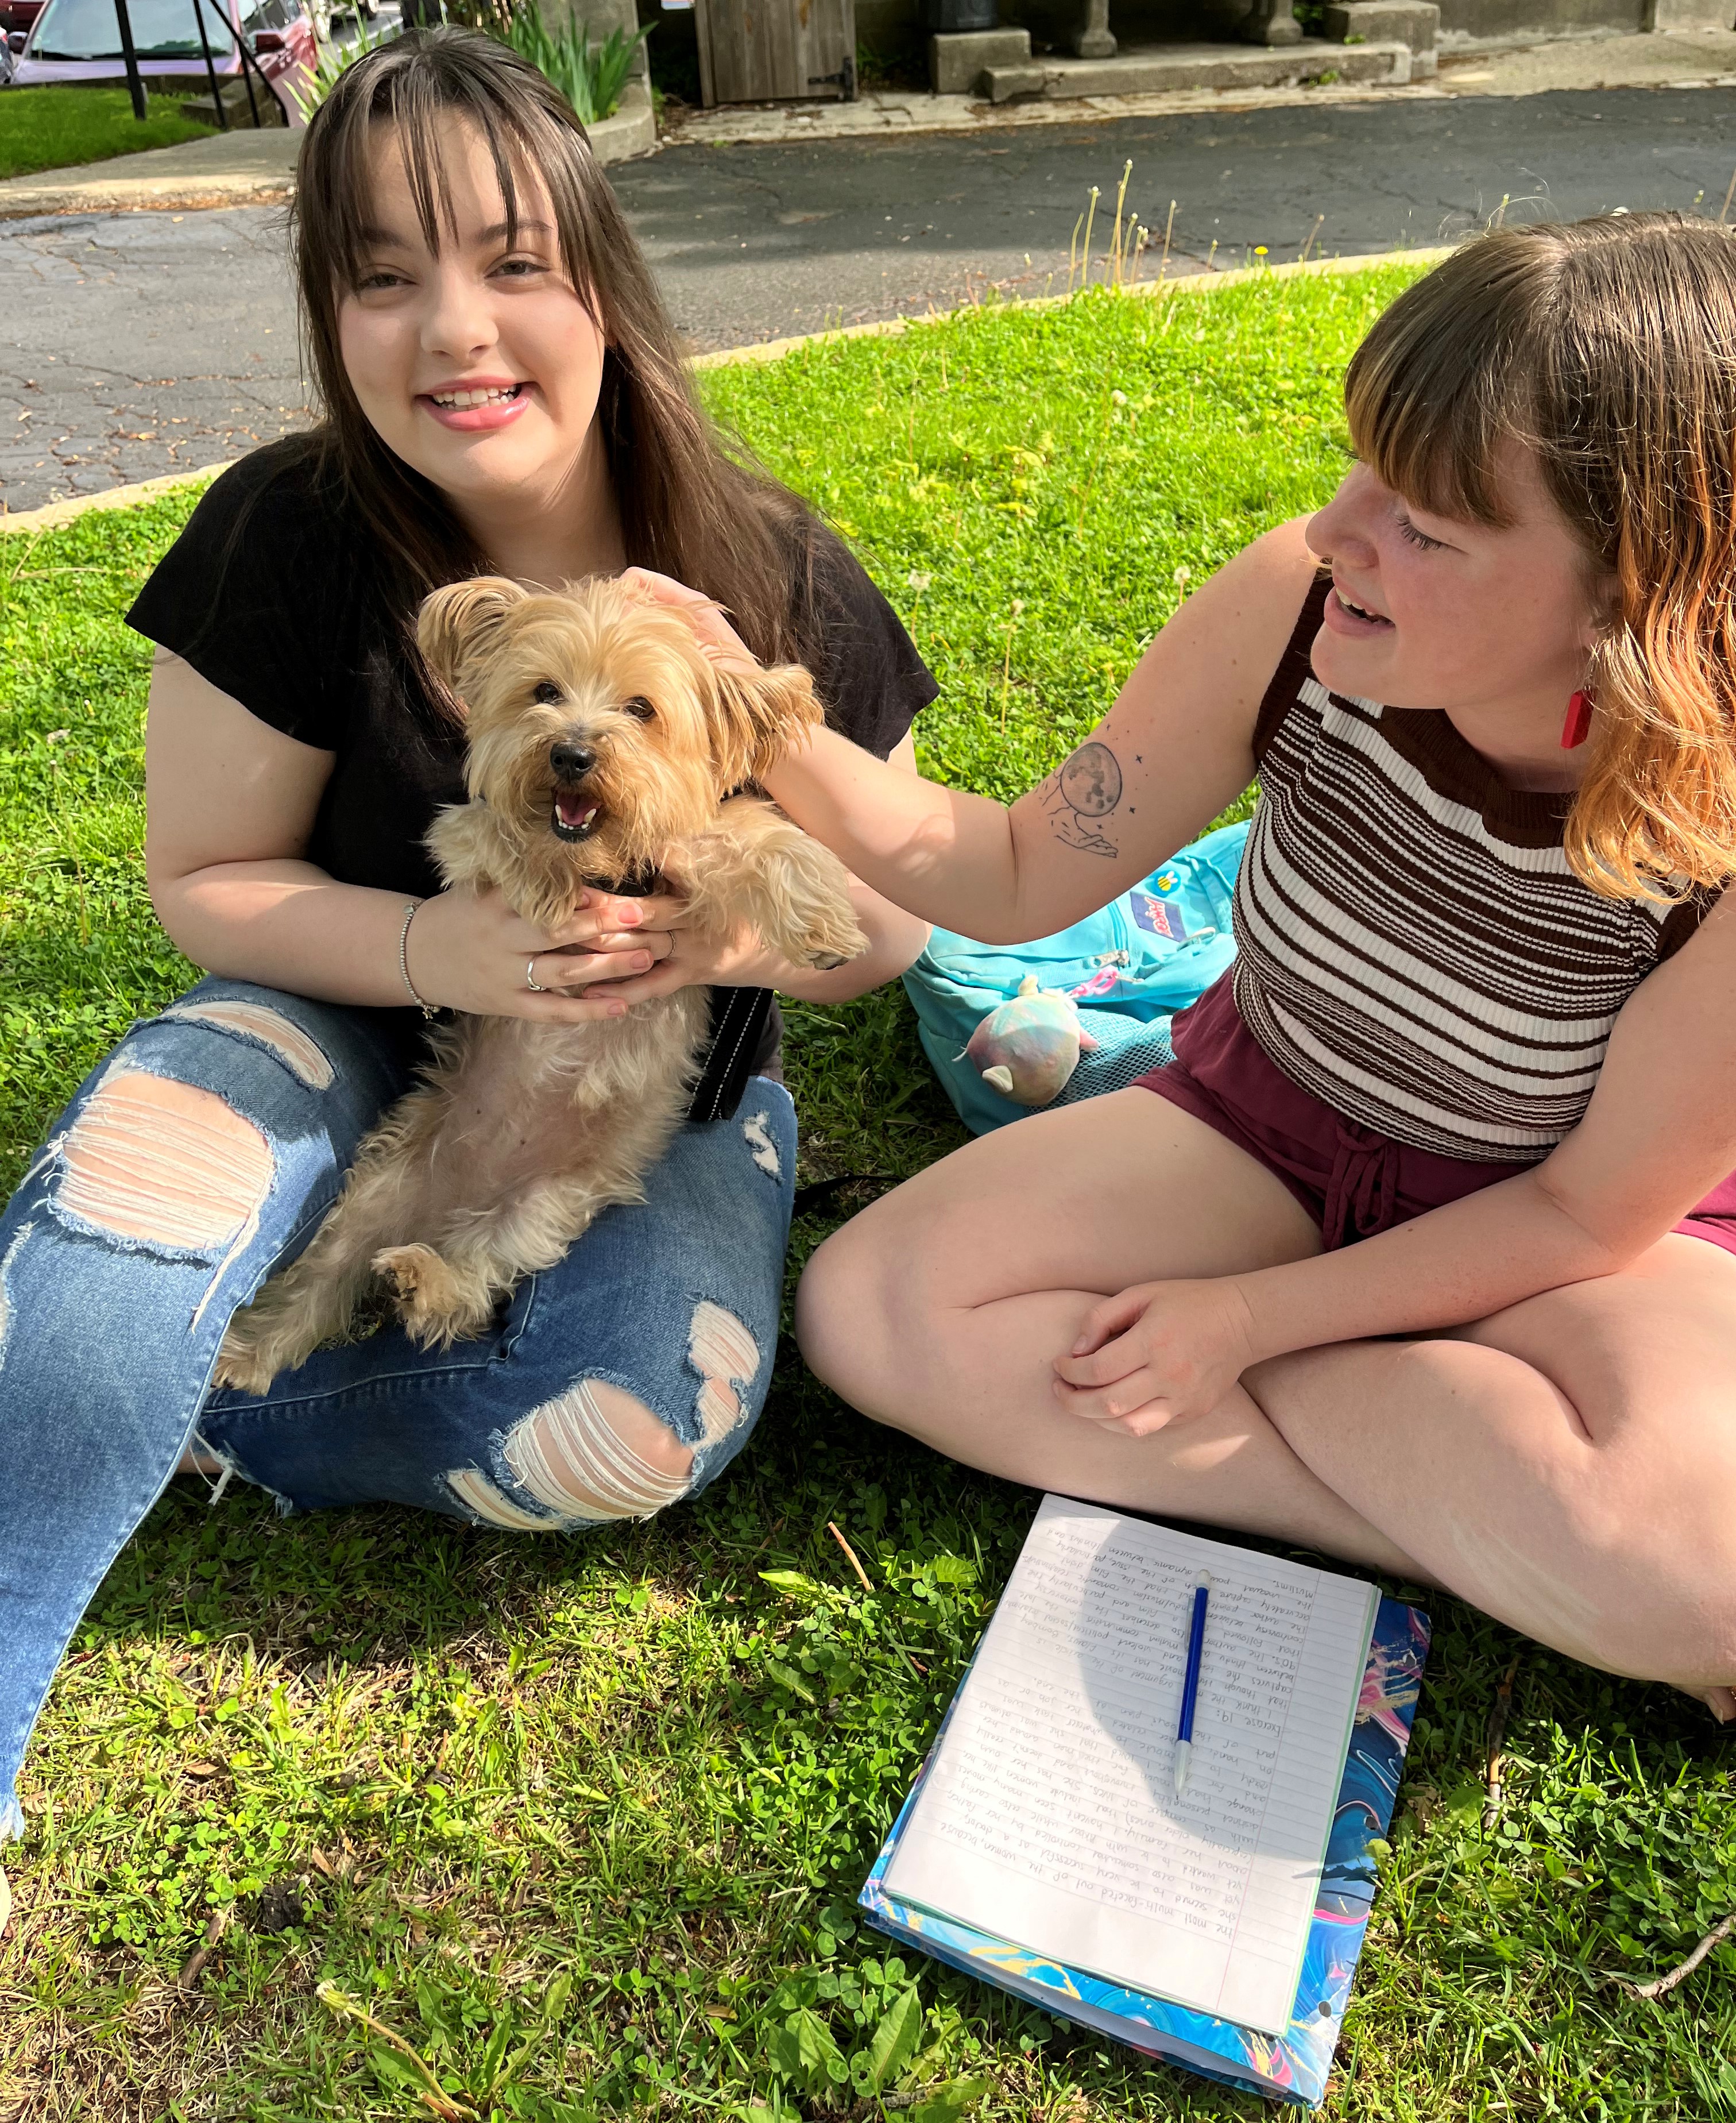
(575, 815)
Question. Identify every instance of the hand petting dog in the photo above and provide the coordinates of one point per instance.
(705, 615)
(614, 951)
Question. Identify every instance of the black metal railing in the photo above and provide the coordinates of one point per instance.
(250, 68)
(135, 82)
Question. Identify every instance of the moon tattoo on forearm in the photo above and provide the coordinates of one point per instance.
(1079, 798)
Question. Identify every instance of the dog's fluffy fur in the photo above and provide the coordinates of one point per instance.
(604, 745)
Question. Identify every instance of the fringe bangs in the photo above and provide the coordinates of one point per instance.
(1608, 350)
(688, 508)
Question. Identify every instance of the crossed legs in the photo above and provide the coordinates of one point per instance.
(1568, 1465)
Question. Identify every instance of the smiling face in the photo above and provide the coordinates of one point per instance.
(600, 734)
(478, 363)
(1495, 625)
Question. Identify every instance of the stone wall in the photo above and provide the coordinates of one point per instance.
(1523, 21)
(600, 16)
(889, 29)
(889, 25)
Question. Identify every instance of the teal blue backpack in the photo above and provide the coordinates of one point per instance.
(1130, 968)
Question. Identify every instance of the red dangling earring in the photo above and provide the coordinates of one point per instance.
(1577, 728)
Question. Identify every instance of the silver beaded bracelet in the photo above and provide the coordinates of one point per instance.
(427, 1010)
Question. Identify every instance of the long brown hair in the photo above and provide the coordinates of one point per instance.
(687, 508)
(1607, 349)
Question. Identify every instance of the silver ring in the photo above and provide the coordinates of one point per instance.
(530, 981)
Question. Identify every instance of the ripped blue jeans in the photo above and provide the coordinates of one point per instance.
(202, 1154)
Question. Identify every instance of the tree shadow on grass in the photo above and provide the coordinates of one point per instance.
(384, 1584)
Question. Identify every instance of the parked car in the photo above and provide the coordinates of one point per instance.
(18, 15)
(79, 41)
(16, 18)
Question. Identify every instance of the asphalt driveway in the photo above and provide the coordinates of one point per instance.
(134, 344)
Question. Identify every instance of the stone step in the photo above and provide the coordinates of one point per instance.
(1413, 22)
(1001, 84)
(957, 61)
(201, 110)
(1163, 68)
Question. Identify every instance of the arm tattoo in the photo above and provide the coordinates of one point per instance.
(1078, 798)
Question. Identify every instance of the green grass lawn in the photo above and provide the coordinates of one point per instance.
(53, 129)
(581, 1822)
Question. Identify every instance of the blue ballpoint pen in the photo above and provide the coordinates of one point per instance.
(1190, 1685)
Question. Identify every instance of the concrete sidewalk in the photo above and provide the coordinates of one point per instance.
(239, 168)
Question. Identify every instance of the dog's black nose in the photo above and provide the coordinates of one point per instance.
(572, 763)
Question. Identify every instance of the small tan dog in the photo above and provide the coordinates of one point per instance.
(604, 745)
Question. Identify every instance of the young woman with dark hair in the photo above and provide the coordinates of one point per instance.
(501, 392)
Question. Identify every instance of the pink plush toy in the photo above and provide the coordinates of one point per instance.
(1027, 1048)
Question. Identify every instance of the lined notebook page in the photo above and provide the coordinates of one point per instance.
(1050, 1816)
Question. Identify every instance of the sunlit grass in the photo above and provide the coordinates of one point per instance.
(581, 1821)
(53, 129)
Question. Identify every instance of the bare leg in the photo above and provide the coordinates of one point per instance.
(1569, 1465)
(941, 1310)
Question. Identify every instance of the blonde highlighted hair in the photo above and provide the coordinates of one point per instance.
(1607, 348)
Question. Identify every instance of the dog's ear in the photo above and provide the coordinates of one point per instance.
(762, 714)
(462, 622)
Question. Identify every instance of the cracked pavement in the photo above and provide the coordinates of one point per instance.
(136, 344)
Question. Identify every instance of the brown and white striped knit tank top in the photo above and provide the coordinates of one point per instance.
(1411, 946)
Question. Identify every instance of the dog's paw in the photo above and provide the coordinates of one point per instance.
(438, 1304)
(243, 1366)
(830, 944)
(254, 1380)
(421, 1283)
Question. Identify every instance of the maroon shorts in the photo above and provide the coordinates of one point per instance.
(1353, 1181)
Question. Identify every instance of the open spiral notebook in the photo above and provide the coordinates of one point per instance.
(1046, 1850)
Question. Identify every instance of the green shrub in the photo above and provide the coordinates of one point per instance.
(591, 76)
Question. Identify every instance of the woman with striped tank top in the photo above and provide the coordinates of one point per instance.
(1424, 1251)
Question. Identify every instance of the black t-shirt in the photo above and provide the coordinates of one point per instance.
(273, 594)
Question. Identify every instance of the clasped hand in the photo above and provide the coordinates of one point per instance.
(1161, 1352)
(467, 950)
